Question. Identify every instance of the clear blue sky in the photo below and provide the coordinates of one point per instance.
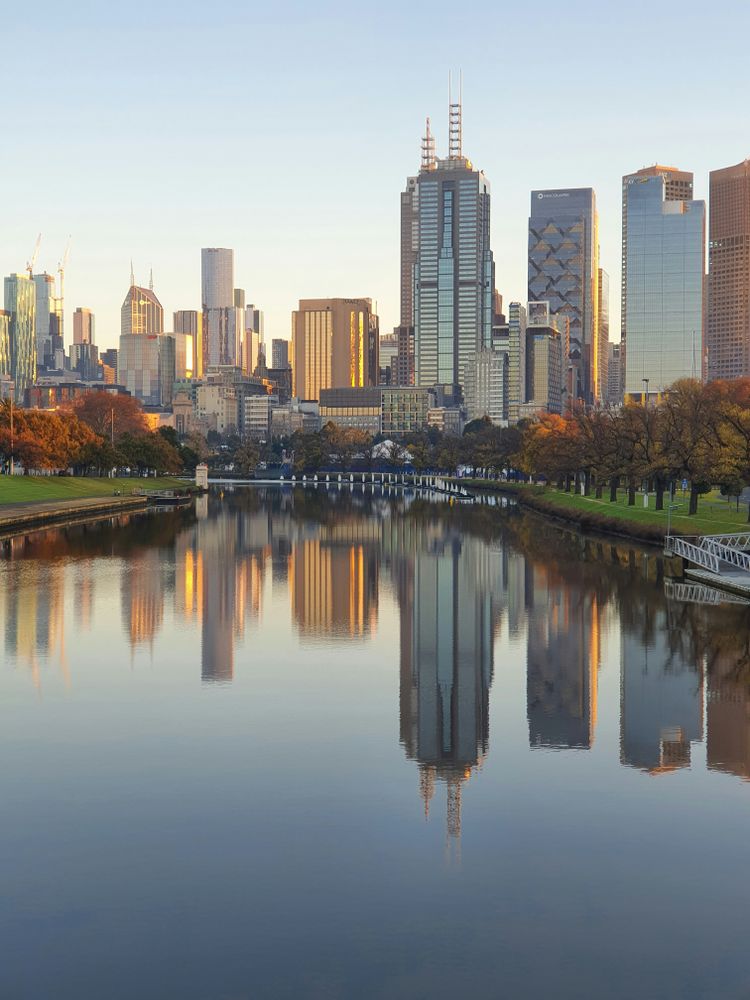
(285, 131)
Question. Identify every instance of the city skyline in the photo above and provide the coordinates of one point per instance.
(193, 204)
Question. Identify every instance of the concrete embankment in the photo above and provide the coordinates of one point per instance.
(17, 518)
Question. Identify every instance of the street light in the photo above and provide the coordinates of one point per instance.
(646, 381)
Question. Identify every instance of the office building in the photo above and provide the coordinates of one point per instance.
(388, 353)
(516, 344)
(146, 367)
(544, 362)
(48, 322)
(217, 278)
(253, 338)
(141, 312)
(20, 304)
(84, 359)
(334, 344)
(239, 298)
(678, 186)
(5, 360)
(486, 386)
(84, 329)
(454, 275)
(358, 409)
(404, 409)
(190, 323)
(279, 353)
(614, 376)
(410, 243)
(402, 367)
(728, 314)
(257, 415)
(109, 357)
(564, 271)
(603, 317)
(665, 251)
(223, 332)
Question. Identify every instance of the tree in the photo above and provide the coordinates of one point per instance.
(110, 414)
(247, 457)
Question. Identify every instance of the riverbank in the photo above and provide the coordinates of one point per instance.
(29, 503)
(641, 524)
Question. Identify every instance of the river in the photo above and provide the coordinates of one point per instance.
(329, 744)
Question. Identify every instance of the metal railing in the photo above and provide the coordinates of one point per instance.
(699, 593)
(698, 554)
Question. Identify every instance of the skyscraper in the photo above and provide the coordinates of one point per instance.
(454, 275)
(190, 323)
(334, 344)
(223, 321)
(564, 271)
(409, 243)
(279, 353)
(5, 361)
(603, 314)
(141, 311)
(728, 326)
(678, 186)
(20, 303)
(47, 321)
(83, 326)
(665, 266)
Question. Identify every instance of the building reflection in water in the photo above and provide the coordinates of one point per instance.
(728, 712)
(34, 617)
(445, 590)
(661, 696)
(563, 656)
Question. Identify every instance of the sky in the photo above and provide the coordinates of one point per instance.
(286, 131)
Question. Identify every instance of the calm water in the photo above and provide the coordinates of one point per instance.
(317, 745)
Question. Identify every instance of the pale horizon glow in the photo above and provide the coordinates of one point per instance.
(287, 135)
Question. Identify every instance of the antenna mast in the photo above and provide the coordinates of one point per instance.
(428, 148)
(454, 120)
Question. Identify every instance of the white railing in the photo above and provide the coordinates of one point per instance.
(727, 553)
(697, 554)
(699, 593)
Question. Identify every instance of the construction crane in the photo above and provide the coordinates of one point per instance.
(61, 265)
(30, 264)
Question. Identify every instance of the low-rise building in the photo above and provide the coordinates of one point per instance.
(358, 408)
(404, 409)
(486, 386)
(257, 416)
(447, 419)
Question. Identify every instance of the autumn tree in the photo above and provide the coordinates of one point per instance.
(110, 414)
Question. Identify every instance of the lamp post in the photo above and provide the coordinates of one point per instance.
(645, 395)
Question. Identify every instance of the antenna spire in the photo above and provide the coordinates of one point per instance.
(132, 274)
(428, 148)
(454, 119)
(151, 279)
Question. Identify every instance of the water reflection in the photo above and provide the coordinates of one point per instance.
(463, 581)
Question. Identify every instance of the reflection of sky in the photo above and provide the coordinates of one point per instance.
(192, 835)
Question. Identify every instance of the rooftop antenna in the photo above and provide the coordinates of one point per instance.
(151, 279)
(454, 119)
(428, 148)
(132, 274)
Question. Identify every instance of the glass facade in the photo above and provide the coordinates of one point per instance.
(141, 312)
(20, 303)
(146, 367)
(335, 343)
(564, 271)
(486, 386)
(454, 274)
(5, 363)
(664, 300)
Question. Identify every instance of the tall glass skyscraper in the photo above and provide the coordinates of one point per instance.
(20, 303)
(454, 275)
(665, 256)
(564, 271)
(223, 332)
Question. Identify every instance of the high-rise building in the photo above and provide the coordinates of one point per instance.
(678, 186)
(239, 298)
(83, 326)
(544, 362)
(564, 271)
(279, 353)
(402, 370)
(334, 344)
(603, 314)
(665, 267)
(253, 338)
(516, 360)
(47, 322)
(388, 353)
(84, 359)
(141, 311)
(409, 244)
(454, 277)
(728, 319)
(5, 361)
(486, 386)
(190, 323)
(146, 367)
(20, 304)
(223, 331)
(614, 376)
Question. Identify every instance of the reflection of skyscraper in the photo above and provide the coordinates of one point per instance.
(562, 664)
(661, 700)
(142, 597)
(728, 720)
(334, 587)
(446, 671)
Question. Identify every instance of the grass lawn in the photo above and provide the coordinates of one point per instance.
(22, 489)
(715, 515)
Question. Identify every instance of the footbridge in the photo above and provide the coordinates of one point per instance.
(391, 481)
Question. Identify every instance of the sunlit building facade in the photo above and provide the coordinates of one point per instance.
(141, 313)
(146, 367)
(665, 280)
(48, 322)
(84, 326)
(728, 314)
(20, 304)
(5, 361)
(334, 344)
